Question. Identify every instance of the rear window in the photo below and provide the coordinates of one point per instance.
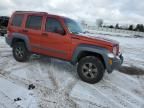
(17, 20)
(34, 22)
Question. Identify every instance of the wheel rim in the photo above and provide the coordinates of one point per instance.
(89, 70)
(19, 52)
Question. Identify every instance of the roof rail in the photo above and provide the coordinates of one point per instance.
(30, 12)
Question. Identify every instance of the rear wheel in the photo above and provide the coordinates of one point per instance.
(20, 52)
(90, 69)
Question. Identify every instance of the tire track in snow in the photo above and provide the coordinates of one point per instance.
(10, 91)
(121, 96)
(117, 78)
(109, 91)
(86, 94)
(6, 102)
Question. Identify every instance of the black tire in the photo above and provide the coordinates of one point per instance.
(20, 52)
(90, 69)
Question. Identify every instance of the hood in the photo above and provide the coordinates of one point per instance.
(93, 37)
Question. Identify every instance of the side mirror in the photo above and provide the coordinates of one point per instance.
(62, 32)
(59, 31)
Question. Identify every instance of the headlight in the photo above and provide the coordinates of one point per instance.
(120, 50)
(115, 50)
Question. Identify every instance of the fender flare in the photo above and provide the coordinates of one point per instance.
(22, 37)
(89, 48)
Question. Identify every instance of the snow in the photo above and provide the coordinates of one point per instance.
(121, 33)
(110, 90)
(14, 91)
(133, 50)
(58, 85)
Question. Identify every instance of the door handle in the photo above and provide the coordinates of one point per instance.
(25, 30)
(44, 34)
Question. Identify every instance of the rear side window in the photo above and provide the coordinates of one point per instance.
(34, 22)
(17, 20)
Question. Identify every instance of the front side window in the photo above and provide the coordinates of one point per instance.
(73, 26)
(34, 22)
(17, 20)
(52, 25)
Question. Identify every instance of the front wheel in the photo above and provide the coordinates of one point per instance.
(20, 52)
(90, 69)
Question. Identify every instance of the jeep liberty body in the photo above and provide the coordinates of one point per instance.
(61, 37)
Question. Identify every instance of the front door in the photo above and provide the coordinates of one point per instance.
(55, 41)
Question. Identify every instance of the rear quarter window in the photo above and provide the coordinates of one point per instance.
(34, 22)
(17, 20)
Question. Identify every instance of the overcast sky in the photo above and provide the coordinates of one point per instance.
(113, 11)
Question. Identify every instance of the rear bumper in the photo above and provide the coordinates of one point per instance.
(116, 63)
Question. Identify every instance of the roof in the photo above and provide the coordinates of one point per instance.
(35, 12)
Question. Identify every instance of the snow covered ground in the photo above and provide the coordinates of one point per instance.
(58, 86)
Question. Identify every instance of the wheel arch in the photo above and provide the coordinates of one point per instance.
(17, 37)
(90, 53)
(90, 50)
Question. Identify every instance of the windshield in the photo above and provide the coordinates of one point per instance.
(73, 26)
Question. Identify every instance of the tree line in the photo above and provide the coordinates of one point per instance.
(138, 27)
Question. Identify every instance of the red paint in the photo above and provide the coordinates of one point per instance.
(54, 44)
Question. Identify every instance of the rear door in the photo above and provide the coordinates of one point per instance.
(33, 28)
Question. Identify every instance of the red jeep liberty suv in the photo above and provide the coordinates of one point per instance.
(60, 37)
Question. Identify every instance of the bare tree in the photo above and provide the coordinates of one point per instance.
(99, 22)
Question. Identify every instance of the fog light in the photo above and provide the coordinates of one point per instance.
(110, 61)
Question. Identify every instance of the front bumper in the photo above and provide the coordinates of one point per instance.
(116, 62)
